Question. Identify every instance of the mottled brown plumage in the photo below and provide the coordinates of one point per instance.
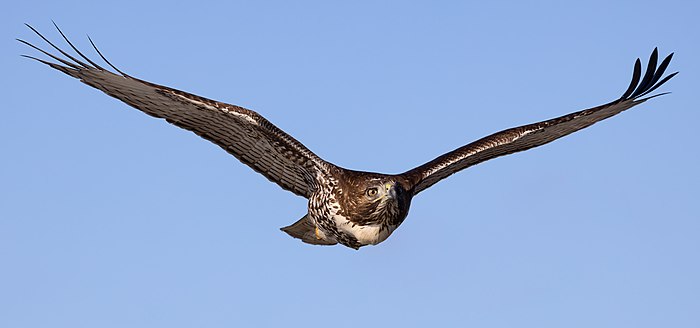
(348, 207)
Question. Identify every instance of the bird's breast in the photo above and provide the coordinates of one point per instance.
(370, 234)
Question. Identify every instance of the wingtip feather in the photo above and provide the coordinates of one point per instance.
(73, 64)
(650, 81)
(74, 48)
(105, 59)
(636, 75)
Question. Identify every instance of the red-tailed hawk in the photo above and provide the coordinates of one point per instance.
(348, 207)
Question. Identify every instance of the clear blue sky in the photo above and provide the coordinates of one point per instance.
(110, 218)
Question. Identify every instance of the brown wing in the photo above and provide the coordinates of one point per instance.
(241, 132)
(537, 134)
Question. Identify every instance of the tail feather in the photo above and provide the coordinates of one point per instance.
(305, 230)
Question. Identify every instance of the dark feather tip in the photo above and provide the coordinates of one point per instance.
(652, 77)
(105, 59)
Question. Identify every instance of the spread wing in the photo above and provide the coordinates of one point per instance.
(241, 132)
(529, 136)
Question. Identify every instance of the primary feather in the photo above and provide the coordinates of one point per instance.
(241, 132)
(532, 135)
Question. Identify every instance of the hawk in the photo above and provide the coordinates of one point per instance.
(347, 207)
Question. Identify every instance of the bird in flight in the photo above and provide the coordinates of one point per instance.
(347, 207)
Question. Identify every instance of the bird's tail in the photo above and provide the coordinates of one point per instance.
(305, 230)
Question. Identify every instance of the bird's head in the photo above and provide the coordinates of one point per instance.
(374, 199)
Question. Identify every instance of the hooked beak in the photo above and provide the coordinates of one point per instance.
(390, 189)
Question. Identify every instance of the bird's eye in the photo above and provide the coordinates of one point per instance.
(371, 192)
